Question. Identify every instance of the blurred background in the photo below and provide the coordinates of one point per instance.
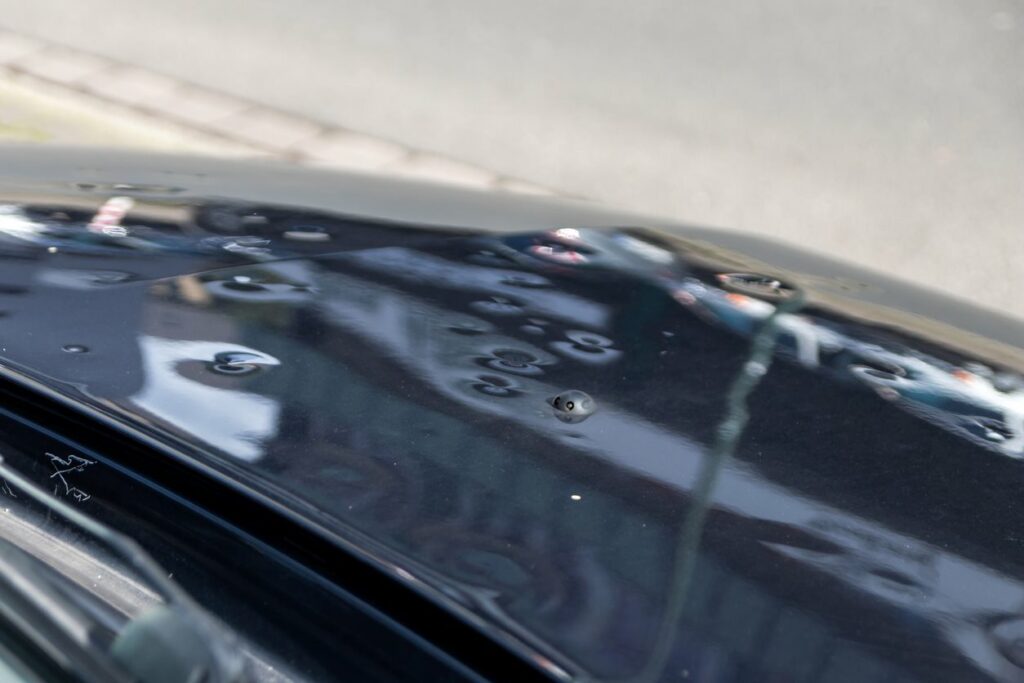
(888, 134)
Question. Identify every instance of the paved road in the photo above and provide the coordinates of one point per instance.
(890, 133)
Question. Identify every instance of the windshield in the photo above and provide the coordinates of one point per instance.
(88, 601)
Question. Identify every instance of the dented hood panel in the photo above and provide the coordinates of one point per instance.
(787, 469)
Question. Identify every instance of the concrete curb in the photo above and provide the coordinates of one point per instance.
(234, 125)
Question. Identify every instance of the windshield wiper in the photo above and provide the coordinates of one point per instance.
(149, 630)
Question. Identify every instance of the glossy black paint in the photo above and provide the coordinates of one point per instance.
(212, 544)
(794, 470)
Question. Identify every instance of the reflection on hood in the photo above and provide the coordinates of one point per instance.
(978, 404)
(398, 379)
(235, 422)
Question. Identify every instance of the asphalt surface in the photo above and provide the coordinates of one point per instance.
(890, 134)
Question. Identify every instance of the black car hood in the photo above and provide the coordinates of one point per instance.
(794, 470)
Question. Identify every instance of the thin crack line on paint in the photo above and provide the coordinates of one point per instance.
(727, 436)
